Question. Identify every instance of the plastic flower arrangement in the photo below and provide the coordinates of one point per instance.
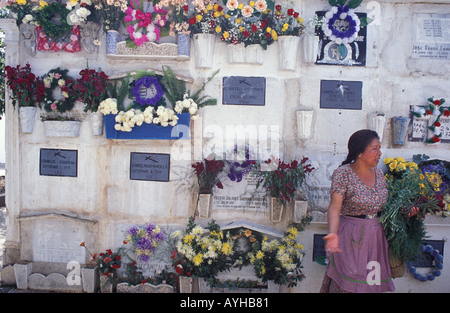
(202, 252)
(207, 173)
(145, 239)
(282, 179)
(407, 188)
(434, 109)
(21, 10)
(143, 26)
(205, 17)
(248, 23)
(27, 89)
(279, 261)
(91, 88)
(177, 14)
(112, 13)
(58, 79)
(287, 22)
(107, 262)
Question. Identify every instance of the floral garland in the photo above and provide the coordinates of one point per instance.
(151, 83)
(433, 108)
(58, 78)
(44, 43)
(438, 258)
(143, 26)
(341, 25)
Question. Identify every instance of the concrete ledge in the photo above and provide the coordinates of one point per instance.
(53, 281)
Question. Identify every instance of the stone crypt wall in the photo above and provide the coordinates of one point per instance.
(49, 216)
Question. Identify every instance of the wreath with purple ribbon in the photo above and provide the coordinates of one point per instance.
(341, 24)
(147, 82)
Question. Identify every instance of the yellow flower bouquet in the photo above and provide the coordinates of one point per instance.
(407, 188)
(202, 252)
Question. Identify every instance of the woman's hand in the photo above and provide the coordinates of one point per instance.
(332, 243)
(414, 211)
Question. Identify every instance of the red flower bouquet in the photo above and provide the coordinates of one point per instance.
(26, 88)
(91, 88)
(207, 173)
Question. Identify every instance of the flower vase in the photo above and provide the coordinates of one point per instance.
(254, 54)
(185, 284)
(305, 119)
(62, 128)
(89, 278)
(236, 53)
(203, 204)
(204, 50)
(288, 52)
(27, 116)
(184, 44)
(399, 129)
(97, 122)
(112, 38)
(108, 283)
(300, 209)
(377, 122)
(310, 48)
(276, 209)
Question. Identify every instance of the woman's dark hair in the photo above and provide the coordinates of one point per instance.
(358, 142)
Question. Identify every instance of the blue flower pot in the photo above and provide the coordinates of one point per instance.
(184, 44)
(150, 131)
(399, 129)
(112, 38)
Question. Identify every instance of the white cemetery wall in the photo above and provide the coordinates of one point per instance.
(392, 80)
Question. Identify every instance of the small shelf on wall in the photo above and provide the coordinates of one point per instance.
(148, 51)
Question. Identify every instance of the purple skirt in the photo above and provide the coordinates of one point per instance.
(363, 264)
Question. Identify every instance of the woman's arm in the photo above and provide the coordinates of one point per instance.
(334, 209)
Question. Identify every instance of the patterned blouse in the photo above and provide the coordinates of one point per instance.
(359, 199)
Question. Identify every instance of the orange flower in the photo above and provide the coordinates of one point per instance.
(125, 242)
(247, 233)
(82, 244)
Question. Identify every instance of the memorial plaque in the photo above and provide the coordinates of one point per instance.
(240, 90)
(431, 37)
(149, 166)
(335, 94)
(58, 162)
(419, 129)
(445, 129)
(350, 54)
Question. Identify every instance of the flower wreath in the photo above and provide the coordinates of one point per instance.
(149, 83)
(140, 26)
(44, 18)
(433, 108)
(44, 44)
(341, 25)
(58, 78)
(438, 258)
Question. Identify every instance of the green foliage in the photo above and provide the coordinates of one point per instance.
(352, 4)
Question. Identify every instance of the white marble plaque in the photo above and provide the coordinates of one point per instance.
(445, 129)
(432, 36)
(241, 195)
(58, 241)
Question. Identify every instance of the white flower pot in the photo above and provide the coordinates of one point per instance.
(21, 272)
(185, 284)
(236, 53)
(300, 209)
(276, 210)
(254, 54)
(203, 205)
(377, 121)
(89, 278)
(62, 128)
(305, 119)
(27, 116)
(288, 52)
(97, 123)
(204, 49)
(310, 48)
